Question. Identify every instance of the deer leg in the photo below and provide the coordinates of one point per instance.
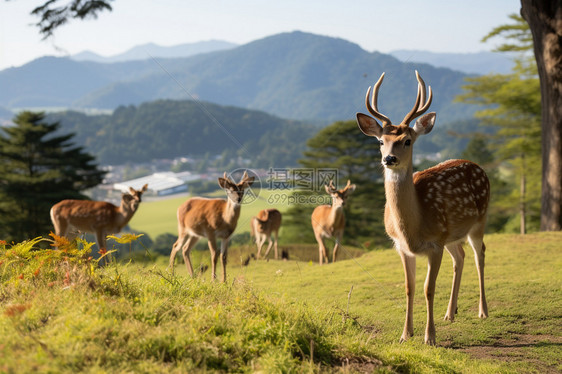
(476, 242)
(409, 264)
(224, 254)
(433, 265)
(175, 248)
(276, 240)
(321, 249)
(260, 243)
(336, 246)
(214, 256)
(186, 247)
(269, 246)
(457, 254)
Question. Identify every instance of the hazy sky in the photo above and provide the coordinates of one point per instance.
(376, 25)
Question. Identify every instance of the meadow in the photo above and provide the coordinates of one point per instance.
(158, 216)
(60, 312)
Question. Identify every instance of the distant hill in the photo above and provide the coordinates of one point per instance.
(147, 51)
(293, 75)
(169, 129)
(470, 63)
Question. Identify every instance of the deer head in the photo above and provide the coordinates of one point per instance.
(397, 141)
(132, 199)
(339, 197)
(235, 191)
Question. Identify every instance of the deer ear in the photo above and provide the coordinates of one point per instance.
(425, 123)
(127, 197)
(247, 182)
(224, 183)
(328, 189)
(144, 188)
(369, 126)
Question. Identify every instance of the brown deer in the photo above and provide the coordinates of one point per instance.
(329, 221)
(263, 226)
(430, 210)
(98, 217)
(211, 218)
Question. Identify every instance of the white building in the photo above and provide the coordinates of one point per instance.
(164, 183)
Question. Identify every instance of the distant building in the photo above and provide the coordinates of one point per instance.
(162, 184)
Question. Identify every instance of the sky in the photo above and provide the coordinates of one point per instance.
(376, 25)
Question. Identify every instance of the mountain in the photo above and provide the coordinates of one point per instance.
(291, 75)
(166, 129)
(147, 51)
(470, 63)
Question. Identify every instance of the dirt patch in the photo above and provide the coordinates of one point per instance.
(515, 348)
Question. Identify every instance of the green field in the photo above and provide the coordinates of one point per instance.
(159, 217)
(58, 314)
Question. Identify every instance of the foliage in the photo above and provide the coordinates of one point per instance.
(52, 16)
(39, 167)
(356, 157)
(512, 104)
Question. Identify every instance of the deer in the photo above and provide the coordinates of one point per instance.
(211, 218)
(427, 211)
(328, 221)
(263, 226)
(98, 217)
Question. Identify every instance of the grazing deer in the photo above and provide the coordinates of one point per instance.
(211, 218)
(98, 217)
(266, 223)
(430, 210)
(329, 221)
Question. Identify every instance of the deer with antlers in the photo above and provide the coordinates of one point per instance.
(98, 217)
(328, 221)
(263, 226)
(430, 210)
(211, 218)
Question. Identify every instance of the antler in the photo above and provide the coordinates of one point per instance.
(372, 106)
(331, 186)
(421, 105)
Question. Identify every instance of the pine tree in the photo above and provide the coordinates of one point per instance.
(39, 168)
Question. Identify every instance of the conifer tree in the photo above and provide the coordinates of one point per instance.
(39, 167)
(341, 146)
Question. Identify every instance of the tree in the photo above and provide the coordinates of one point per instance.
(39, 168)
(52, 15)
(545, 21)
(512, 104)
(354, 156)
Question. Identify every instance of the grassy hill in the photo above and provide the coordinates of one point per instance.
(63, 315)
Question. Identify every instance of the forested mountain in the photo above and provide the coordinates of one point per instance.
(168, 129)
(292, 75)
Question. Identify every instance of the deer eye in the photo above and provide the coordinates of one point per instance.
(381, 142)
(407, 142)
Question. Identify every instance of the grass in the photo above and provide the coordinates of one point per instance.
(159, 216)
(279, 316)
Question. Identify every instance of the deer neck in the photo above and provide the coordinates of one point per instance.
(402, 204)
(231, 212)
(125, 213)
(335, 213)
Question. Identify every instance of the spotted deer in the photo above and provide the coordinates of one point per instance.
(211, 218)
(430, 210)
(329, 221)
(98, 217)
(265, 225)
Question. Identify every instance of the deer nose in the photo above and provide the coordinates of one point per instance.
(390, 160)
